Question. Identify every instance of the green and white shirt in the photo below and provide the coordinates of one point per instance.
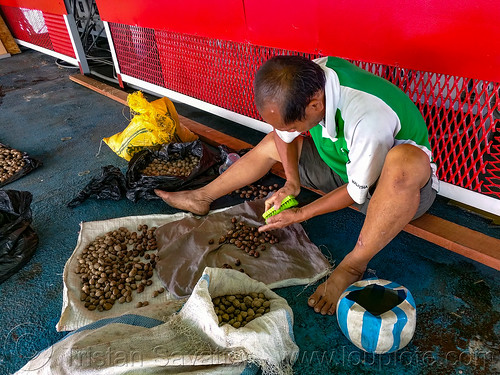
(365, 117)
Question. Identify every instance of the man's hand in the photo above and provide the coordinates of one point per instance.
(276, 199)
(283, 219)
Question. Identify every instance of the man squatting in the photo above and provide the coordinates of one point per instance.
(369, 147)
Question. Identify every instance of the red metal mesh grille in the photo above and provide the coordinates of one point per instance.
(45, 30)
(491, 184)
(27, 25)
(58, 33)
(462, 114)
(218, 72)
(137, 53)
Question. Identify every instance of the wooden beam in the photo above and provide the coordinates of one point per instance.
(462, 240)
(212, 136)
(3, 51)
(100, 87)
(467, 242)
(7, 39)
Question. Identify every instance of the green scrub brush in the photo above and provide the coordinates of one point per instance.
(288, 202)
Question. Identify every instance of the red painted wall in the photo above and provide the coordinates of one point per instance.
(223, 19)
(457, 37)
(49, 6)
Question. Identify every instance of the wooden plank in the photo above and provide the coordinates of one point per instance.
(212, 136)
(100, 87)
(3, 51)
(462, 240)
(7, 39)
(467, 242)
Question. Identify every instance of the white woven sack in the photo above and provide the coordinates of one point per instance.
(152, 342)
(158, 339)
(74, 315)
(268, 340)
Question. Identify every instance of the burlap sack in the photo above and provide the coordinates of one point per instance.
(185, 251)
(74, 315)
(293, 261)
(156, 339)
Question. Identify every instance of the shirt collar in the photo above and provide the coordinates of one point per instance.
(332, 97)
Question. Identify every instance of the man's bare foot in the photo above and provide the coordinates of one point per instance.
(187, 200)
(324, 299)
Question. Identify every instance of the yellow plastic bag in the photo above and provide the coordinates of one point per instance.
(155, 123)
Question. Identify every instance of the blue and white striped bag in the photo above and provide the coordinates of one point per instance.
(378, 316)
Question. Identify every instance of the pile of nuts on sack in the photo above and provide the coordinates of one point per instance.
(255, 191)
(175, 166)
(11, 162)
(111, 268)
(247, 238)
(240, 309)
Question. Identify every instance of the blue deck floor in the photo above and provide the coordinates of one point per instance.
(458, 300)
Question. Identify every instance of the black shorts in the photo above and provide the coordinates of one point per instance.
(316, 174)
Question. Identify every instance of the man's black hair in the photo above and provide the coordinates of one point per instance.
(291, 82)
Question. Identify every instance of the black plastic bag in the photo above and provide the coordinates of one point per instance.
(110, 184)
(29, 165)
(141, 186)
(18, 240)
(226, 150)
